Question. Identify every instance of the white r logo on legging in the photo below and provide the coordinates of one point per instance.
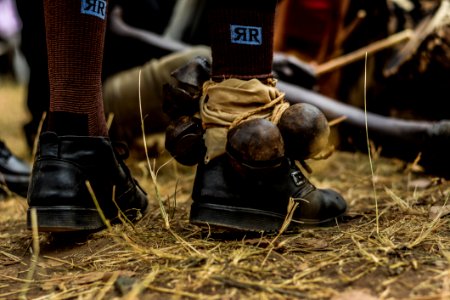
(94, 7)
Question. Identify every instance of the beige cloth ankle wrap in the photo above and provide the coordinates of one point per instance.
(121, 92)
(232, 101)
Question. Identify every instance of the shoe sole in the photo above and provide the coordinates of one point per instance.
(245, 219)
(66, 219)
(235, 218)
(69, 219)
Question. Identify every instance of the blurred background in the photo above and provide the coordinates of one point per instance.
(401, 76)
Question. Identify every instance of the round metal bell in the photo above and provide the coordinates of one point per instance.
(255, 147)
(305, 131)
(184, 140)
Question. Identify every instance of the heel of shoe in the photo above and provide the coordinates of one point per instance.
(66, 219)
(235, 218)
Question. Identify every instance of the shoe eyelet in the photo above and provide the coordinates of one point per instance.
(297, 178)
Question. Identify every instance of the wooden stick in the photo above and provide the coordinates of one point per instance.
(423, 30)
(359, 54)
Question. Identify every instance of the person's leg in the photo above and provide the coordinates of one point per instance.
(249, 173)
(241, 35)
(75, 32)
(75, 149)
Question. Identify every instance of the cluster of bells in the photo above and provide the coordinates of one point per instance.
(255, 144)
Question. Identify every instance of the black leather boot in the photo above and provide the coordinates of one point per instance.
(14, 173)
(58, 189)
(224, 198)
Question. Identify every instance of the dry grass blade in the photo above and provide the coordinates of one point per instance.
(151, 169)
(25, 281)
(402, 204)
(365, 253)
(102, 293)
(97, 205)
(292, 206)
(71, 264)
(260, 287)
(369, 151)
(153, 174)
(12, 293)
(179, 293)
(12, 257)
(337, 121)
(35, 257)
(36, 140)
(432, 226)
(139, 287)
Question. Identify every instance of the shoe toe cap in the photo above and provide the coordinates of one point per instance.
(321, 205)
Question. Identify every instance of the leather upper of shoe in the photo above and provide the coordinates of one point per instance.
(320, 204)
(64, 164)
(218, 183)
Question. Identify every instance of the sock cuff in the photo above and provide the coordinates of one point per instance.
(67, 123)
(241, 34)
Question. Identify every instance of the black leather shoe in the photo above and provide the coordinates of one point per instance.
(14, 173)
(223, 198)
(58, 189)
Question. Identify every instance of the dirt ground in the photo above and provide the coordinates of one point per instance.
(393, 242)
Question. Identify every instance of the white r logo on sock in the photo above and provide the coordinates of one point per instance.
(247, 35)
(94, 7)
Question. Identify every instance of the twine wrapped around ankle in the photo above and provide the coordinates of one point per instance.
(227, 104)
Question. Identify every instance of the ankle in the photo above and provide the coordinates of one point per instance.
(65, 123)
